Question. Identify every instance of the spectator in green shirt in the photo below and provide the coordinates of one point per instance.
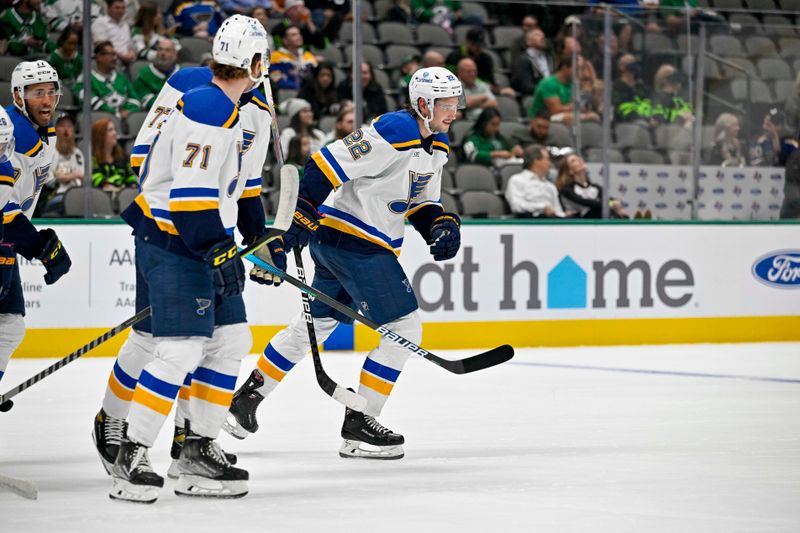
(153, 77)
(25, 29)
(484, 145)
(66, 59)
(110, 168)
(111, 91)
(554, 94)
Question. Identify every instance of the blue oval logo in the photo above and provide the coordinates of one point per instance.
(661, 205)
(779, 269)
(681, 190)
(641, 190)
(737, 207)
(718, 190)
(232, 186)
(738, 176)
(663, 174)
(755, 191)
(624, 173)
(774, 207)
(776, 177)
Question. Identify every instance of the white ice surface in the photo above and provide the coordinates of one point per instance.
(519, 447)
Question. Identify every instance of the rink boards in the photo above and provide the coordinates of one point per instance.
(526, 284)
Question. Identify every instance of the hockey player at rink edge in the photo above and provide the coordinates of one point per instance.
(27, 157)
(355, 236)
(190, 274)
(139, 348)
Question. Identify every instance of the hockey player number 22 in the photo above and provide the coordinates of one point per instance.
(357, 149)
(194, 150)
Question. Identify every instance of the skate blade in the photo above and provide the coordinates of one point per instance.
(202, 487)
(106, 464)
(232, 428)
(126, 491)
(353, 449)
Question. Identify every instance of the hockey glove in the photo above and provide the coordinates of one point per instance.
(274, 254)
(54, 256)
(8, 259)
(445, 236)
(305, 223)
(227, 269)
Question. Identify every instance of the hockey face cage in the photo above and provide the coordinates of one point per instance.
(30, 73)
(6, 136)
(238, 41)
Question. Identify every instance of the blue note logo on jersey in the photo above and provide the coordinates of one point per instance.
(247, 140)
(202, 305)
(418, 183)
(39, 176)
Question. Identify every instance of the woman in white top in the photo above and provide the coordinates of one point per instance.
(69, 164)
(301, 121)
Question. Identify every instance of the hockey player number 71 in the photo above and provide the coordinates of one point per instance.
(195, 149)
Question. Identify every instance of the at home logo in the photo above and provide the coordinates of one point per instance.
(603, 284)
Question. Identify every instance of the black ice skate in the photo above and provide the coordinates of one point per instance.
(133, 477)
(241, 419)
(107, 434)
(205, 472)
(360, 429)
(178, 438)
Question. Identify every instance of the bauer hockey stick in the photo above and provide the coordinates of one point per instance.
(493, 357)
(288, 199)
(346, 397)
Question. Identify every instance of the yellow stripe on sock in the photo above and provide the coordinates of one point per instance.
(119, 391)
(268, 369)
(210, 395)
(185, 393)
(368, 380)
(159, 405)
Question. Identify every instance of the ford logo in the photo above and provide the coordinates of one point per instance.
(624, 173)
(718, 190)
(779, 269)
(661, 205)
(641, 190)
(755, 192)
(776, 177)
(738, 176)
(663, 174)
(737, 207)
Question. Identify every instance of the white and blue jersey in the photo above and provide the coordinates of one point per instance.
(380, 176)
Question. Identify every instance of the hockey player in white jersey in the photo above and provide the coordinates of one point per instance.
(255, 116)
(381, 175)
(32, 151)
(189, 273)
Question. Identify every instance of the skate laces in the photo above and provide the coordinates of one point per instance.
(375, 425)
(141, 460)
(113, 429)
(214, 450)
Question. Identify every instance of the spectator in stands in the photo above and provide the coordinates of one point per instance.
(345, 125)
(299, 152)
(69, 164)
(771, 148)
(261, 14)
(244, 7)
(112, 27)
(539, 132)
(148, 30)
(791, 107)
(484, 145)
(591, 92)
(727, 149)
(153, 77)
(299, 16)
(445, 13)
(554, 94)
(66, 59)
(320, 91)
(629, 95)
(529, 193)
(408, 67)
(668, 106)
(110, 168)
(374, 99)
(533, 65)
(301, 122)
(475, 41)
(579, 195)
(328, 16)
(519, 44)
(478, 94)
(790, 208)
(195, 18)
(111, 90)
(25, 29)
(432, 58)
(62, 13)
(291, 63)
(400, 12)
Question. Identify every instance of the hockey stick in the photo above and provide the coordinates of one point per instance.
(282, 222)
(26, 489)
(331, 388)
(493, 357)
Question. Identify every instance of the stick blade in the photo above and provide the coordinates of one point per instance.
(493, 357)
(26, 489)
(290, 184)
(350, 399)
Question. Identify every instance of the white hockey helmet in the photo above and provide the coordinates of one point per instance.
(432, 83)
(30, 73)
(238, 40)
(6, 136)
